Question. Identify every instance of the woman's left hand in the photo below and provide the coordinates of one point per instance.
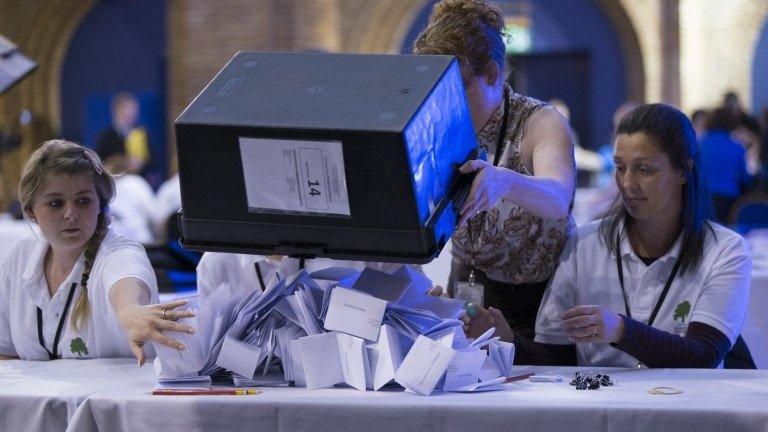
(488, 187)
(142, 324)
(592, 323)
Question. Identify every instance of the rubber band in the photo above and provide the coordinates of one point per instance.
(664, 391)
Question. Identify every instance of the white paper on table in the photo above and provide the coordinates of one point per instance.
(355, 313)
(445, 308)
(464, 368)
(307, 313)
(452, 337)
(386, 355)
(424, 365)
(239, 357)
(381, 285)
(285, 309)
(304, 319)
(490, 385)
(489, 370)
(334, 273)
(320, 359)
(283, 350)
(503, 354)
(484, 339)
(297, 364)
(419, 281)
(353, 358)
(175, 363)
(199, 382)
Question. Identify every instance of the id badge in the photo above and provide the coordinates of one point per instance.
(470, 292)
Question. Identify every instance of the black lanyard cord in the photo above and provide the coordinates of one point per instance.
(503, 131)
(663, 295)
(62, 320)
(261, 278)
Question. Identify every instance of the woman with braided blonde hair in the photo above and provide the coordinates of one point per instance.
(74, 289)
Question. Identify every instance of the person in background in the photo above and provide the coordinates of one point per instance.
(517, 215)
(655, 283)
(699, 119)
(168, 203)
(75, 280)
(724, 162)
(747, 131)
(124, 136)
(134, 205)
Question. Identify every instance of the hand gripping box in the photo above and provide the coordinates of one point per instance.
(350, 156)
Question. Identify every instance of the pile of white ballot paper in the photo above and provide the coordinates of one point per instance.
(335, 326)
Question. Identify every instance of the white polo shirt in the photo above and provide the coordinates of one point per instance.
(133, 208)
(23, 289)
(716, 293)
(239, 270)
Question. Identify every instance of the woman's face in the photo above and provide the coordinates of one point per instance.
(67, 210)
(480, 95)
(650, 186)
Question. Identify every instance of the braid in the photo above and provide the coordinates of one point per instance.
(82, 310)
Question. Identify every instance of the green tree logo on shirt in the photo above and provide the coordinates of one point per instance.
(682, 310)
(78, 347)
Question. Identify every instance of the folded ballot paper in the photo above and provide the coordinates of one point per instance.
(336, 326)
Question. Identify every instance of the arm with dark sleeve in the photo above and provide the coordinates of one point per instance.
(702, 347)
(716, 320)
(528, 352)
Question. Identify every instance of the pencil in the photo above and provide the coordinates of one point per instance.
(519, 377)
(204, 392)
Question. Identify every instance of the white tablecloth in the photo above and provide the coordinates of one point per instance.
(45, 394)
(755, 329)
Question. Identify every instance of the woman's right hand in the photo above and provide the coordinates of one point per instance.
(142, 324)
(491, 183)
(485, 319)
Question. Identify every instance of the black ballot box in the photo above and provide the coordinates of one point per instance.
(349, 156)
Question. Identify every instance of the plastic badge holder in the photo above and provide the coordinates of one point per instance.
(347, 156)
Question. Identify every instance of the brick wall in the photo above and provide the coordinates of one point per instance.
(718, 40)
(715, 50)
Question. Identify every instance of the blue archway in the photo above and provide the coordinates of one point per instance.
(572, 28)
(120, 46)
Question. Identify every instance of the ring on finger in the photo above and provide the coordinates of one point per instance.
(164, 317)
(594, 330)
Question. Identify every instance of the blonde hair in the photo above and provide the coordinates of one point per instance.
(65, 157)
(471, 30)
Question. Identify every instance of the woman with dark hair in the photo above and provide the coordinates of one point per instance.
(655, 283)
(517, 215)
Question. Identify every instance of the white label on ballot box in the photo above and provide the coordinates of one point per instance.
(294, 176)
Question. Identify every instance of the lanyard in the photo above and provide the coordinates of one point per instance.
(663, 293)
(261, 278)
(62, 320)
(475, 240)
(503, 131)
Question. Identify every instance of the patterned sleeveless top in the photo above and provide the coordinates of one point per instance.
(515, 246)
